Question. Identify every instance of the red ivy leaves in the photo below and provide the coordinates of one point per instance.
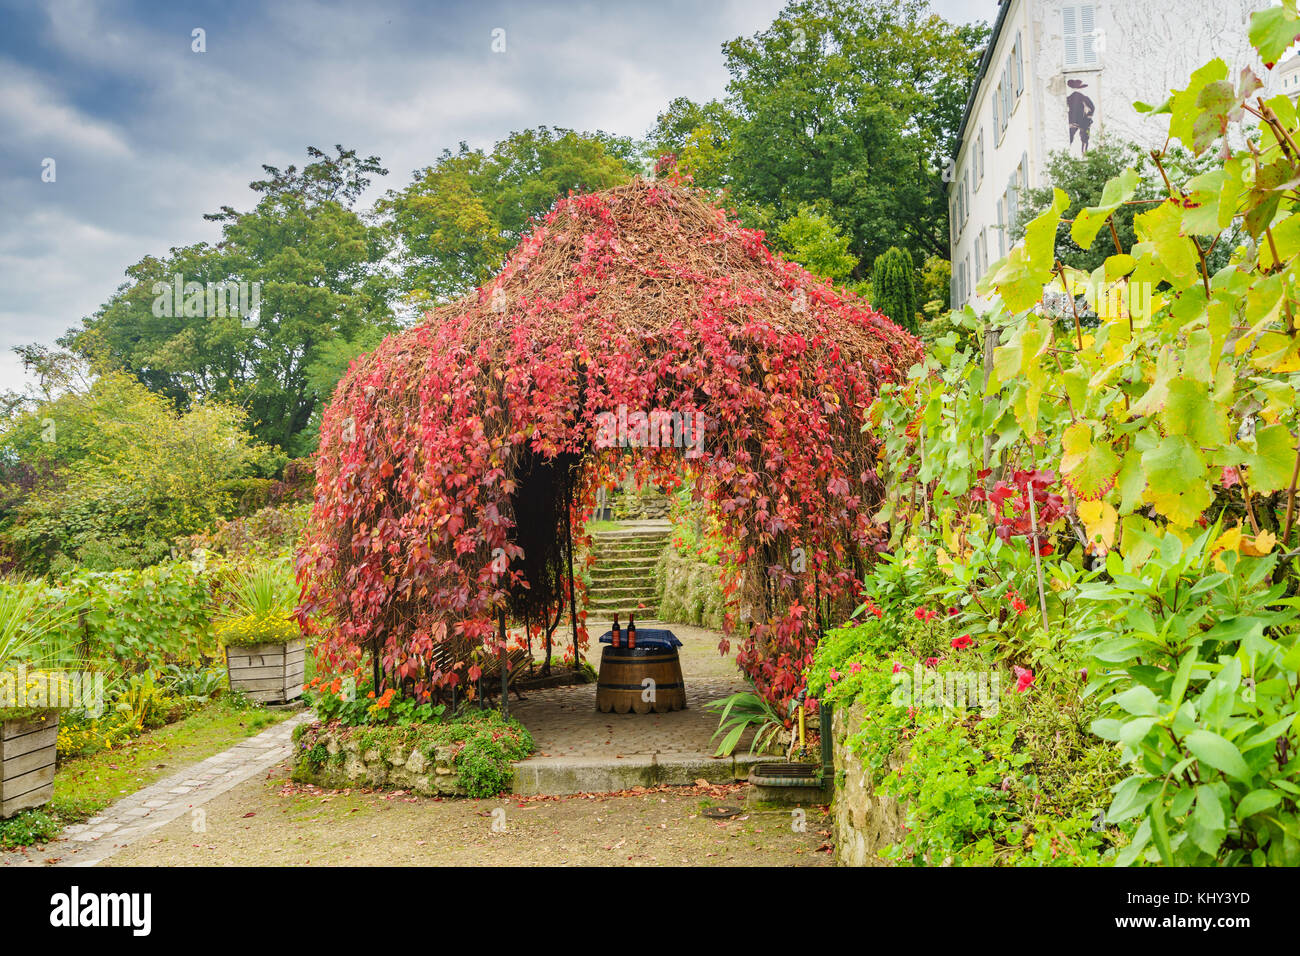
(643, 297)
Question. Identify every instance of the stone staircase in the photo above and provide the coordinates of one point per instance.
(622, 579)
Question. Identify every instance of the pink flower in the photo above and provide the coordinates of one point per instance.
(963, 642)
(835, 675)
(1024, 678)
(854, 667)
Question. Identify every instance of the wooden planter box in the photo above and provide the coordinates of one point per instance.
(27, 755)
(268, 673)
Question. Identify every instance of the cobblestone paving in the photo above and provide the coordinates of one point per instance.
(140, 814)
(564, 721)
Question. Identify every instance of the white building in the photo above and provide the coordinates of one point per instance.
(1055, 75)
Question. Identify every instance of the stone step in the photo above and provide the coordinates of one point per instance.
(622, 578)
(625, 590)
(608, 610)
(634, 546)
(605, 537)
(581, 774)
(639, 560)
(627, 565)
(602, 556)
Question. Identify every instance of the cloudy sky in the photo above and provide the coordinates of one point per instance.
(147, 135)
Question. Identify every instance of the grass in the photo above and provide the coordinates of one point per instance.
(594, 526)
(86, 785)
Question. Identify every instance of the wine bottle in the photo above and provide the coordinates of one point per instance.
(631, 629)
(616, 638)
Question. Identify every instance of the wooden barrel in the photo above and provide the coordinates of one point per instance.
(622, 685)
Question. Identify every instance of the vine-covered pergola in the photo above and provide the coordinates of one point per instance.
(458, 460)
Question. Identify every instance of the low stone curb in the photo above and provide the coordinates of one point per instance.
(559, 776)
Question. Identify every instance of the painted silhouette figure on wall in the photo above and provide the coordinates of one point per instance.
(1081, 110)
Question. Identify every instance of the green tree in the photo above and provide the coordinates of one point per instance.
(893, 288)
(310, 264)
(934, 286)
(813, 240)
(120, 474)
(698, 135)
(854, 104)
(460, 217)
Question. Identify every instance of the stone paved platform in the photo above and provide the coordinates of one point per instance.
(580, 749)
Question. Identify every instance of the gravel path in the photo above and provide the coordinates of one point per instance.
(268, 822)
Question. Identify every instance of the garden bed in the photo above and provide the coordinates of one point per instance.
(470, 756)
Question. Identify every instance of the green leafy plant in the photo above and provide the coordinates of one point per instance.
(739, 713)
(1199, 655)
(142, 702)
(263, 589)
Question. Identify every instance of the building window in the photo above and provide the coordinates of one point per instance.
(979, 158)
(1018, 56)
(965, 196)
(1079, 31)
(984, 249)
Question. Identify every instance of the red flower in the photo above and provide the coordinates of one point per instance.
(1017, 605)
(963, 642)
(924, 614)
(1024, 678)
(952, 612)
(932, 662)
(897, 667)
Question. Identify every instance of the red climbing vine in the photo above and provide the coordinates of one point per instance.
(453, 456)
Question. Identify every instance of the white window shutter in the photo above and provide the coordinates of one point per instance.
(1019, 54)
(1087, 33)
(1070, 34)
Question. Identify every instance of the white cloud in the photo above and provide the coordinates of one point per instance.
(36, 116)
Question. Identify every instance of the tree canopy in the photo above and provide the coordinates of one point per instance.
(311, 270)
(460, 216)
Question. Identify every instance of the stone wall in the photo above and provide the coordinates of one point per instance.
(632, 504)
(688, 592)
(863, 823)
(338, 758)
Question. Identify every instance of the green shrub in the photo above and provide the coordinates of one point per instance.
(138, 619)
(893, 287)
(28, 827)
(1022, 782)
(1198, 659)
